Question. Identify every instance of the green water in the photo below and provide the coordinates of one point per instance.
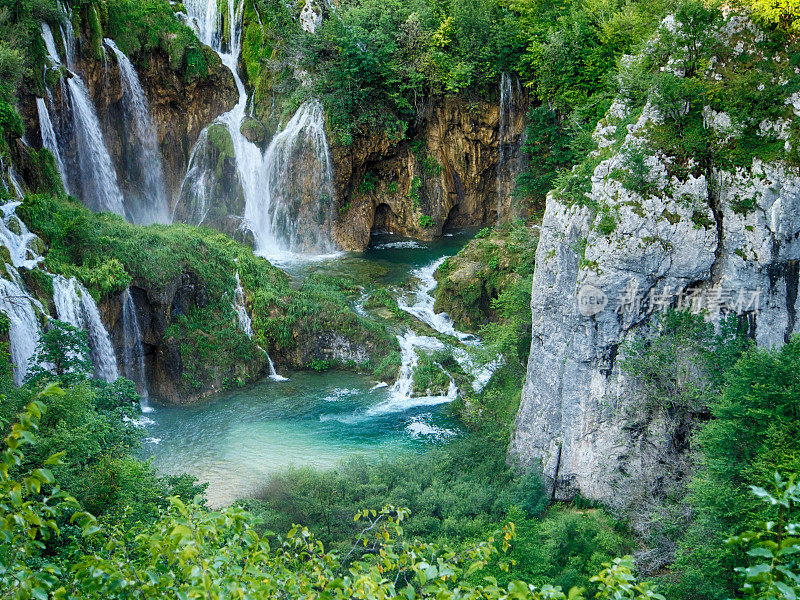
(388, 260)
(236, 441)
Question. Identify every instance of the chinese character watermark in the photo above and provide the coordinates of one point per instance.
(715, 301)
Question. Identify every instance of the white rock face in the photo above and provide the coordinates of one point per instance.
(311, 16)
(667, 242)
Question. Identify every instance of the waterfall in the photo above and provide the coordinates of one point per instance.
(49, 139)
(94, 169)
(401, 394)
(20, 308)
(246, 325)
(16, 237)
(200, 179)
(98, 179)
(273, 374)
(421, 305)
(15, 184)
(133, 352)
(288, 189)
(294, 211)
(24, 330)
(50, 44)
(74, 305)
(504, 147)
(145, 168)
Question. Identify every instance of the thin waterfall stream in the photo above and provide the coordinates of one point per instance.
(133, 363)
(150, 205)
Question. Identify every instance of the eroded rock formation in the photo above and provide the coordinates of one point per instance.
(446, 170)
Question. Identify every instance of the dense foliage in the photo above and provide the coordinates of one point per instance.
(753, 434)
(189, 552)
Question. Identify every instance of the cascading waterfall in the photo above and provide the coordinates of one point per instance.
(145, 165)
(16, 186)
(246, 325)
(50, 43)
(288, 189)
(421, 304)
(506, 115)
(245, 322)
(74, 305)
(20, 308)
(133, 352)
(16, 237)
(422, 307)
(49, 139)
(294, 211)
(24, 331)
(200, 179)
(98, 179)
(510, 97)
(95, 171)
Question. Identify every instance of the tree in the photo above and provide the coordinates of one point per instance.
(754, 433)
(62, 356)
(784, 14)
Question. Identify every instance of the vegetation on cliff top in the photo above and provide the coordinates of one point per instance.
(107, 254)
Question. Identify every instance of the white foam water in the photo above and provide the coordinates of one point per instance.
(420, 304)
(246, 325)
(288, 210)
(49, 140)
(75, 305)
(16, 237)
(24, 330)
(420, 426)
(151, 204)
(98, 178)
(133, 352)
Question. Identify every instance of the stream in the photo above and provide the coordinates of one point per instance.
(235, 441)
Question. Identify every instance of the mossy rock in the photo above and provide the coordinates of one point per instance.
(37, 246)
(5, 255)
(255, 132)
(220, 139)
(14, 226)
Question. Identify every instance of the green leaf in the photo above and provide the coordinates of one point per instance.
(787, 592)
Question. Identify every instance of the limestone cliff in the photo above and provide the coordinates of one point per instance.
(708, 237)
(448, 170)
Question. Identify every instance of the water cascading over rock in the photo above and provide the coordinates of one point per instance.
(91, 172)
(75, 305)
(21, 309)
(149, 204)
(99, 187)
(133, 366)
(49, 140)
(80, 148)
(246, 324)
(288, 188)
(509, 162)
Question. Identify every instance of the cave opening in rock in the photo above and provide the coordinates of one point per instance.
(383, 219)
(453, 220)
